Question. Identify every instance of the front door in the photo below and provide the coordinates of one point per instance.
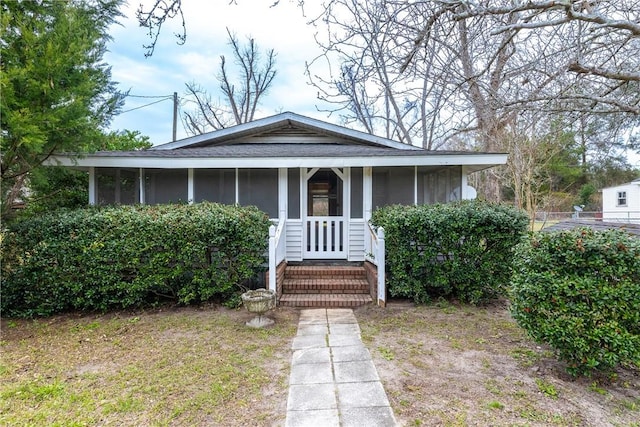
(325, 228)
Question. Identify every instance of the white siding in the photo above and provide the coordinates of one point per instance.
(613, 212)
(356, 240)
(294, 240)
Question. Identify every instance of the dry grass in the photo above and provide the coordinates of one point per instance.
(441, 365)
(174, 367)
(448, 365)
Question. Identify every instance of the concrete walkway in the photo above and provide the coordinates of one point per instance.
(333, 380)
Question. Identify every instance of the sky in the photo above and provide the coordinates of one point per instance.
(282, 28)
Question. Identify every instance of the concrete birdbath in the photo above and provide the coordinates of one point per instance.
(259, 301)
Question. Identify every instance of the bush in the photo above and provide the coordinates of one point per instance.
(579, 292)
(129, 256)
(458, 250)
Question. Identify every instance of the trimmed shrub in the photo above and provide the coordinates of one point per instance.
(579, 292)
(459, 250)
(129, 256)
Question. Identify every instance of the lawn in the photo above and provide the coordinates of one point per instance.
(450, 365)
(181, 367)
(441, 365)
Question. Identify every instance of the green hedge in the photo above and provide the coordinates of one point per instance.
(579, 292)
(129, 256)
(457, 250)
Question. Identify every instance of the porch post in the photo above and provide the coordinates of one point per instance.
(190, 186)
(346, 210)
(463, 183)
(303, 194)
(272, 258)
(415, 185)
(283, 196)
(237, 189)
(92, 185)
(141, 183)
(380, 259)
(118, 180)
(367, 192)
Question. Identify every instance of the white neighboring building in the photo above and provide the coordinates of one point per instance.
(622, 202)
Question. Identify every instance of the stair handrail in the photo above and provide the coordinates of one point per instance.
(276, 249)
(376, 255)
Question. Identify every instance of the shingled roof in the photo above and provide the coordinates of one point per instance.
(281, 150)
(285, 140)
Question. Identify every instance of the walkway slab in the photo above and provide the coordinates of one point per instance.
(311, 355)
(314, 418)
(303, 397)
(333, 380)
(350, 353)
(311, 373)
(370, 417)
(354, 372)
(309, 341)
(362, 395)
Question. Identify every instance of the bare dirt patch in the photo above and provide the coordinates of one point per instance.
(442, 365)
(455, 365)
(181, 367)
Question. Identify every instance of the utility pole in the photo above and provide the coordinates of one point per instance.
(175, 114)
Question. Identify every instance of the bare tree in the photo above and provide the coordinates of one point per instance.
(154, 18)
(366, 42)
(239, 99)
(432, 73)
(533, 145)
(597, 42)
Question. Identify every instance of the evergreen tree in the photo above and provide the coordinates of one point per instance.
(57, 93)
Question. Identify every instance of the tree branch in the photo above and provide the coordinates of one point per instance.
(154, 19)
(576, 67)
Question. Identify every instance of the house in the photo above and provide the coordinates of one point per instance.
(319, 183)
(621, 203)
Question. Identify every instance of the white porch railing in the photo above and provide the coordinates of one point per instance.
(277, 249)
(375, 253)
(325, 237)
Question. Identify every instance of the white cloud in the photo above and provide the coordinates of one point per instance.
(282, 28)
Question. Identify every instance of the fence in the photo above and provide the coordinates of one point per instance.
(606, 216)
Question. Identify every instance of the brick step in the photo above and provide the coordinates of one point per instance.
(324, 300)
(314, 272)
(325, 286)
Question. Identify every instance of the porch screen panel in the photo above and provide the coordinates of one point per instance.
(105, 186)
(165, 186)
(129, 187)
(293, 193)
(356, 193)
(439, 185)
(214, 185)
(116, 186)
(392, 185)
(259, 187)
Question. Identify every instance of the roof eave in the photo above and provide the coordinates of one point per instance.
(473, 162)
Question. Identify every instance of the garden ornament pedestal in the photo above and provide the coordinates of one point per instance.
(259, 301)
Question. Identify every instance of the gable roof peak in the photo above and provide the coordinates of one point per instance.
(283, 120)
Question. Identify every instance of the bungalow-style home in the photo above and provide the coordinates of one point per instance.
(621, 203)
(319, 183)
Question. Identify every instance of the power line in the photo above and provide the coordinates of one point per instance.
(160, 98)
(149, 96)
(146, 105)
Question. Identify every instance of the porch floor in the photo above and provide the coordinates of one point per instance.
(321, 284)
